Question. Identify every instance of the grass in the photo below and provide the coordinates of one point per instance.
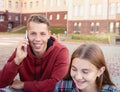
(54, 30)
(99, 38)
(21, 31)
(57, 30)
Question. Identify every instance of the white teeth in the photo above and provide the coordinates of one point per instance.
(37, 45)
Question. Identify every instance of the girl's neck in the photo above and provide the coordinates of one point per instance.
(90, 89)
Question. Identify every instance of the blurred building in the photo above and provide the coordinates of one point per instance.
(77, 16)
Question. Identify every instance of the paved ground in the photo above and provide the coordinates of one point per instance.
(111, 52)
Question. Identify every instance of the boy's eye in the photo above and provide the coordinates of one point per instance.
(32, 33)
(43, 33)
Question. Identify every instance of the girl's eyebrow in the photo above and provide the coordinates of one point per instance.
(86, 69)
(73, 66)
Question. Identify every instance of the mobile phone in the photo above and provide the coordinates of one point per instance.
(26, 37)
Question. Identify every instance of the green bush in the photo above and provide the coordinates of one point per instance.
(57, 30)
(93, 38)
(54, 30)
(21, 31)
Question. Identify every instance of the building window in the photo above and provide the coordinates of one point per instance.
(58, 2)
(9, 17)
(16, 18)
(1, 3)
(118, 8)
(81, 10)
(25, 18)
(79, 27)
(51, 3)
(10, 4)
(1, 18)
(31, 4)
(117, 25)
(97, 27)
(92, 27)
(92, 10)
(16, 5)
(75, 27)
(65, 16)
(66, 2)
(37, 3)
(99, 9)
(112, 9)
(58, 17)
(9, 25)
(75, 10)
(25, 5)
(44, 2)
(50, 17)
(111, 27)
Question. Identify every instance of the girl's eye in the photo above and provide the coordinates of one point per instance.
(73, 69)
(85, 71)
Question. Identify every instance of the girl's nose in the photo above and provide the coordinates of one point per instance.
(78, 76)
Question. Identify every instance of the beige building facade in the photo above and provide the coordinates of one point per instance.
(77, 16)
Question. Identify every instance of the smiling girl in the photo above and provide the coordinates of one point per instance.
(87, 72)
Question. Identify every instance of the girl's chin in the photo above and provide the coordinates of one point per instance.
(81, 85)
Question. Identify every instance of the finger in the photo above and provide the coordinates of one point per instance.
(25, 48)
(25, 41)
(11, 87)
(23, 44)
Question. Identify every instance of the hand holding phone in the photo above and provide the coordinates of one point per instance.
(21, 52)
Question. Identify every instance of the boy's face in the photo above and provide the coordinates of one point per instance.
(38, 35)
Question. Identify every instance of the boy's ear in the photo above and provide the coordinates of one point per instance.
(49, 32)
(101, 71)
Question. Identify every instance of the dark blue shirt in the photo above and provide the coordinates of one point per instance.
(69, 86)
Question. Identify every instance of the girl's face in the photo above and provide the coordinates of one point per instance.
(84, 74)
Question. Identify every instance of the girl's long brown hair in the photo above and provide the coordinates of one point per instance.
(94, 54)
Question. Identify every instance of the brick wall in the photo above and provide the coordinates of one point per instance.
(60, 23)
(3, 26)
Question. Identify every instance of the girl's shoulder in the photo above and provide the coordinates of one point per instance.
(65, 86)
(65, 83)
(109, 88)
